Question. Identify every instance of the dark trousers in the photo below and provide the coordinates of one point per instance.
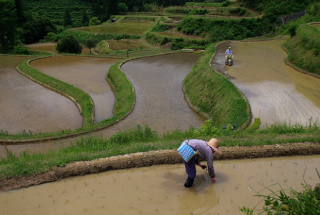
(191, 167)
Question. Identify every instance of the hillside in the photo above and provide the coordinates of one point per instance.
(55, 9)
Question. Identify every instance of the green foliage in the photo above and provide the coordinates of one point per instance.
(85, 19)
(305, 202)
(55, 10)
(314, 9)
(94, 21)
(91, 43)
(69, 44)
(223, 29)
(141, 139)
(254, 126)
(304, 48)
(51, 37)
(122, 8)
(20, 50)
(67, 21)
(214, 95)
(293, 30)
(8, 23)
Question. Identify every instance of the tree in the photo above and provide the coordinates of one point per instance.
(85, 19)
(91, 43)
(122, 8)
(69, 44)
(8, 23)
(67, 19)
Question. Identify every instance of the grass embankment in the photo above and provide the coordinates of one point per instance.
(214, 95)
(124, 103)
(304, 49)
(144, 139)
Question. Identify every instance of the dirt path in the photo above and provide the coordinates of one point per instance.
(154, 158)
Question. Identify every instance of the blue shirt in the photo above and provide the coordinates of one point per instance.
(228, 52)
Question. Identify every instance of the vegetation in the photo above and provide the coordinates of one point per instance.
(304, 48)
(215, 96)
(143, 139)
(69, 45)
(306, 201)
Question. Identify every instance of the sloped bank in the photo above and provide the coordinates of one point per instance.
(153, 158)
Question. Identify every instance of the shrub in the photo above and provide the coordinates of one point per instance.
(69, 44)
(20, 50)
(94, 21)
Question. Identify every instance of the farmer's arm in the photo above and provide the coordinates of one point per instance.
(209, 158)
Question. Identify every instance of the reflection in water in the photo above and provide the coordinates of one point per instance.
(160, 190)
(28, 106)
(276, 92)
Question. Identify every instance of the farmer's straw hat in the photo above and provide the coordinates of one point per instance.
(214, 144)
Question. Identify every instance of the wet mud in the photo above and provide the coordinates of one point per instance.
(276, 92)
(28, 107)
(86, 73)
(159, 189)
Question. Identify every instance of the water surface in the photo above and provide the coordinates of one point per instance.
(27, 106)
(86, 73)
(276, 92)
(160, 190)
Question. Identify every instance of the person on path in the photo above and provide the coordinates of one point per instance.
(205, 151)
(228, 53)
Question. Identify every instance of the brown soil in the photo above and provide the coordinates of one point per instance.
(154, 158)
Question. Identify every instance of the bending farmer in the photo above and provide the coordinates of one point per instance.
(205, 151)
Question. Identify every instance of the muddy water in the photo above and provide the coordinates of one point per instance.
(276, 92)
(86, 73)
(160, 190)
(28, 106)
(158, 83)
(160, 100)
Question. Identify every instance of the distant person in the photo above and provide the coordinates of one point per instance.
(205, 151)
(228, 53)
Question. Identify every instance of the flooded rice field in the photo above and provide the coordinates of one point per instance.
(160, 190)
(86, 73)
(28, 107)
(276, 92)
(160, 100)
(157, 81)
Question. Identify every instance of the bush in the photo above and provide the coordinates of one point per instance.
(50, 37)
(69, 45)
(20, 50)
(94, 21)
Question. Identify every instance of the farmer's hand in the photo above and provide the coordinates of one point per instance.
(202, 165)
(214, 179)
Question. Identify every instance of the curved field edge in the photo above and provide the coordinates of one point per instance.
(219, 105)
(144, 159)
(124, 103)
(214, 96)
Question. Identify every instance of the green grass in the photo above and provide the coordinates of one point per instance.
(126, 44)
(119, 28)
(143, 139)
(125, 99)
(214, 95)
(304, 49)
